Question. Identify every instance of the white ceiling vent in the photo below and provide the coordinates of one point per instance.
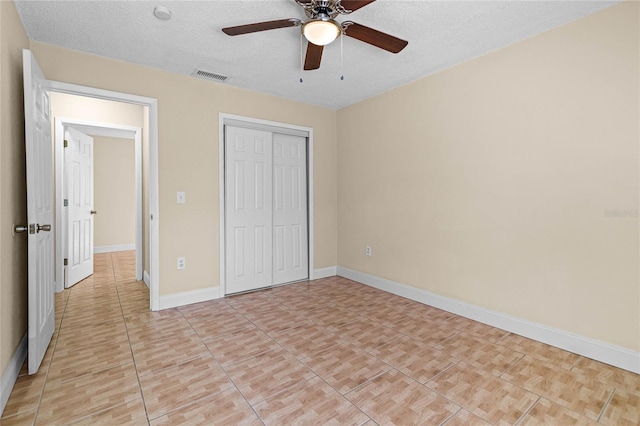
(208, 75)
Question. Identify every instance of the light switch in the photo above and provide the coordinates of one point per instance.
(182, 198)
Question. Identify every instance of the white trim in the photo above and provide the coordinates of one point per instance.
(591, 348)
(329, 271)
(238, 120)
(146, 278)
(189, 297)
(154, 224)
(111, 249)
(100, 129)
(11, 373)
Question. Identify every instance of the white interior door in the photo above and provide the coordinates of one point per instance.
(248, 209)
(290, 251)
(78, 176)
(39, 163)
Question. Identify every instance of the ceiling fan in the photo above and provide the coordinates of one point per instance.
(320, 28)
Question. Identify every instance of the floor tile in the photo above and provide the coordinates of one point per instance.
(132, 318)
(480, 353)
(579, 393)
(94, 335)
(309, 402)
(267, 374)
(489, 397)
(477, 329)
(345, 367)
(70, 363)
(540, 351)
(25, 395)
(617, 377)
(207, 327)
(331, 316)
(65, 401)
(130, 413)
(221, 408)
(148, 332)
(305, 340)
(623, 409)
(545, 412)
(427, 331)
(465, 418)
(384, 314)
(365, 334)
(153, 356)
(393, 398)
(277, 320)
(414, 358)
(23, 419)
(240, 345)
(174, 387)
(209, 308)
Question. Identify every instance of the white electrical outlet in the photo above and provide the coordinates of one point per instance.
(367, 250)
(182, 263)
(181, 197)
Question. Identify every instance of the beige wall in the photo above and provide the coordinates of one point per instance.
(114, 191)
(490, 182)
(100, 110)
(188, 156)
(13, 200)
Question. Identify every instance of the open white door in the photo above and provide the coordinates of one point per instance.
(40, 205)
(78, 175)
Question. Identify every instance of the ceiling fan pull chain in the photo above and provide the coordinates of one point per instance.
(301, 55)
(341, 57)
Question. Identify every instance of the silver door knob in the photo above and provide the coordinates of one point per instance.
(94, 211)
(20, 228)
(43, 228)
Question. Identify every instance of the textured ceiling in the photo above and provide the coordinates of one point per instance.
(440, 34)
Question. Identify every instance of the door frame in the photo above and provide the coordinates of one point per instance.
(154, 216)
(274, 126)
(98, 129)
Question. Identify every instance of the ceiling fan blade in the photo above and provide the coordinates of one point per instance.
(374, 37)
(313, 57)
(261, 26)
(353, 5)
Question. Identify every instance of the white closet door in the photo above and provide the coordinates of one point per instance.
(248, 209)
(290, 248)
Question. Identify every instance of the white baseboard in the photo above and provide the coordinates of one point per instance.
(189, 297)
(11, 373)
(590, 348)
(146, 278)
(329, 271)
(109, 249)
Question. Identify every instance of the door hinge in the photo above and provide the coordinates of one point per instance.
(65, 144)
(66, 262)
(66, 202)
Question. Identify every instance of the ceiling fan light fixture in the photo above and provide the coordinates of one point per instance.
(320, 31)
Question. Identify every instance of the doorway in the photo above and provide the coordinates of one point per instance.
(133, 135)
(150, 217)
(266, 202)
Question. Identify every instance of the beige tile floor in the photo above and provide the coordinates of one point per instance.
(329, 351)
